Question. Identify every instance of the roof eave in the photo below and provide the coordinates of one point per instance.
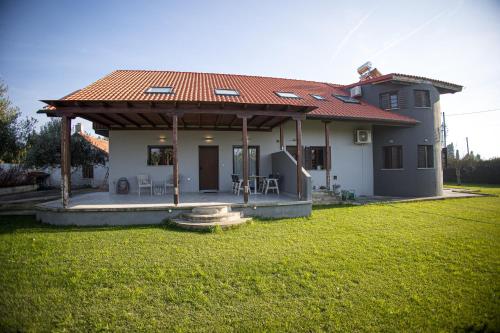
(380, 121)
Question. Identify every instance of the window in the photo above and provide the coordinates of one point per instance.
(318, 97)
(393, 157)
(425, 156)
(88, 171)
(253, 160)
(286, 94)
(346, 99)
(160, 155)
(226, 92)
(160, 90)
(314, 157)
(422, 99)
(389, 101)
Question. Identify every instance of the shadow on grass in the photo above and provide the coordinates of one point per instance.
(334, 206)
(14, 223)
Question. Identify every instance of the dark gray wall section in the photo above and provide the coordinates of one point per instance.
(409, 181)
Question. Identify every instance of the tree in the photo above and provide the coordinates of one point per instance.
(15, 133)
(45, 149)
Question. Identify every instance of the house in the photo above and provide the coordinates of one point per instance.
(87, 175)
(377, 136)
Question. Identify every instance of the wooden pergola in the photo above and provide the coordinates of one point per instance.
(175, 116)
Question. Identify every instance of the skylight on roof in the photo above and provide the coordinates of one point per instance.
(226, 92)
(160, 90)
(286, 94)
(318, 97)
(346, 99)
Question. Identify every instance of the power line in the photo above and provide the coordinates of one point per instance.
(473, 112)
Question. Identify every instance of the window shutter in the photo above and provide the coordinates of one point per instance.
(384, 101)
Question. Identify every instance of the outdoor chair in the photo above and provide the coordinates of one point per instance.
(143, 181)
(271, 183)
(237, 184)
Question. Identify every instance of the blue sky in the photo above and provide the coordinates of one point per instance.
(51, 48)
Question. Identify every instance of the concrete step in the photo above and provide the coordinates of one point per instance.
(212, 217)
(211, 210)
(190, 225)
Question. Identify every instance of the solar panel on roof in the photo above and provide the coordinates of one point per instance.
(346, 99)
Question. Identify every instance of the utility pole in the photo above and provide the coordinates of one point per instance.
(444, 130)
(444, 151)
(467, 140)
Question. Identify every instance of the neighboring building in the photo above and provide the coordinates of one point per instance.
(379, 136)
(88, 175)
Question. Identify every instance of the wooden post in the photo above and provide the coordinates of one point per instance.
(176, 160)
(282, 137)
(65, 159)
(327, 155)
(298, 135)
(245, 160)
(69, 163)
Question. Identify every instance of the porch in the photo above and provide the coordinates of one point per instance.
(103, 208)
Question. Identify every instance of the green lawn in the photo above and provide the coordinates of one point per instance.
(422, 266)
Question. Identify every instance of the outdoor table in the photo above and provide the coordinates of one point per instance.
(256, 182)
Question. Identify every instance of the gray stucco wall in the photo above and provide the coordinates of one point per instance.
(286, 166)
(410, 180)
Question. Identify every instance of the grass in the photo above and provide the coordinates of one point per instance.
(422, 266)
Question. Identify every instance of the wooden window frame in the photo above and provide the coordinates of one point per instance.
(399, 165)
(428, 151)
(169, 160)
(427, 94)
(88, 171)
(257, 167)
(389, 104)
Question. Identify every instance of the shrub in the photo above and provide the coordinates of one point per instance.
(15, 176)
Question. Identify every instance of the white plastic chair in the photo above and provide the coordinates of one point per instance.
(271, 183)
(143, 181)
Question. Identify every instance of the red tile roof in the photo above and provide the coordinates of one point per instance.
(131, 85)
(99, 143)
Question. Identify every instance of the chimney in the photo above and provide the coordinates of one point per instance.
(78, 128)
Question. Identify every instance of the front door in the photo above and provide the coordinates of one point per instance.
(209, 168)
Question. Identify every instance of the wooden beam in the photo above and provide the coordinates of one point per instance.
(298, 135)
(226, 111)
(165, 119)
(327, 155)
(65, 160)
(176, 160)
(245, 160)
(266, 120)
(111, 120)
(128, 119)
(233, 121)
(146, 119)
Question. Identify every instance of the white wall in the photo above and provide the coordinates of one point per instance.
(352, 164)
(76, 176)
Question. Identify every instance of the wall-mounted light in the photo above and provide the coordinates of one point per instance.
(162, 138)
(391, 141)
(208, 138)
(426, 140)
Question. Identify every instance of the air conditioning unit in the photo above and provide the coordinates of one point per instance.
(356, 91)
(362, 137)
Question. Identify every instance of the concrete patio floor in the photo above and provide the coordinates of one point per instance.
(103, 200)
